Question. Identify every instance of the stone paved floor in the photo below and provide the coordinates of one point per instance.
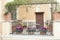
(26, 37)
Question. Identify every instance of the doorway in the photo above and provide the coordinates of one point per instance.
(39, 19)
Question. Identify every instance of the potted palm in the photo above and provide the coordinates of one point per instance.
(31, 30)
(43, 30)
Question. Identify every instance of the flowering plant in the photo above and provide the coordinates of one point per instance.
(19, 28)
(43, 29)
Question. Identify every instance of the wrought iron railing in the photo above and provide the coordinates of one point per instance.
(26, 28)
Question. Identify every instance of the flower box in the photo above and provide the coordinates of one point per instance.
(43, 30)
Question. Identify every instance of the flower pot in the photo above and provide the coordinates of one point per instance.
(30, 33)
(42, 33)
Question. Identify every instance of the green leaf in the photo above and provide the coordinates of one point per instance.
(14, 4)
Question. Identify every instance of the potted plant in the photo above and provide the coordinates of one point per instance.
(43, 30)
(31, 30)
(19, 29)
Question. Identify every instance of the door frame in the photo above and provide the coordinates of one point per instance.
(42, 14)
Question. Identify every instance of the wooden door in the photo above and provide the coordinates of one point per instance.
(39, 19)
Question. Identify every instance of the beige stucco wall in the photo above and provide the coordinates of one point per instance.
(23, 14)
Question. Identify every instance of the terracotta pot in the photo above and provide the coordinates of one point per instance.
(42, 33)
